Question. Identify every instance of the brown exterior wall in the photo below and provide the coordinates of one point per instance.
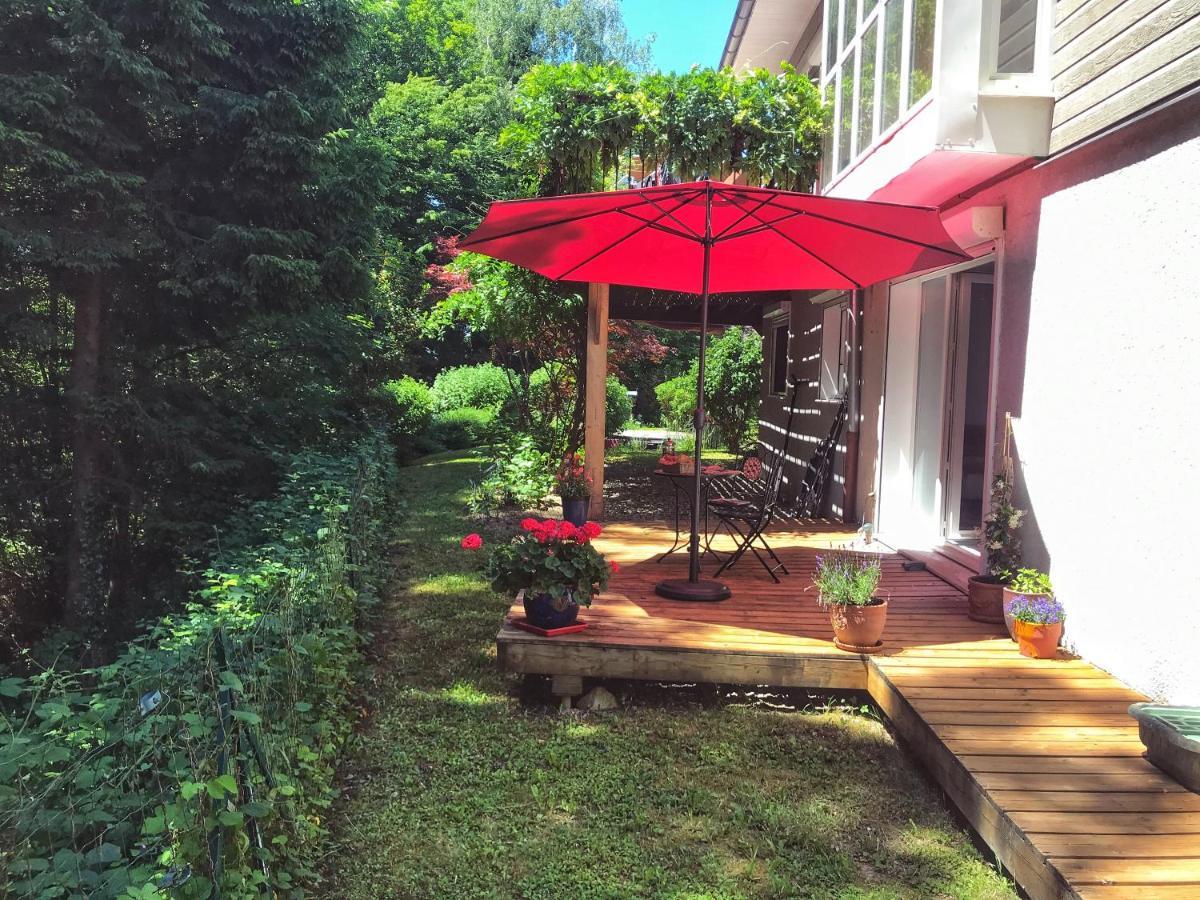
(813, 416)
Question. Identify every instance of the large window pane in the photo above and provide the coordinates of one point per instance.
(893, 37)
(849, 22)
(866, 87)
(846, 113)
(831, 36)
(920, 59)
(1018, 33)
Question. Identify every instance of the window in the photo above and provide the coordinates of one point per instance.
(1016, 38)
(878, 64)
(779, 360)
(835, 346)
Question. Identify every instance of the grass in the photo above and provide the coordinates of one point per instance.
(458, 788)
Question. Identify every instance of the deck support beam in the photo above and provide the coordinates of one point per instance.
(596, 377)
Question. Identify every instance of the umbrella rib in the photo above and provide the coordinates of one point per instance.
(658, 226)
(868, 228)
(606, 248)
(696, 236)
(745, 215)
(757, 229)
(798, 245)
(564, 221)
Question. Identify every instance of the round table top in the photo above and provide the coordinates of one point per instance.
(706, 472)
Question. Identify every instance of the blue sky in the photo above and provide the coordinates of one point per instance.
(689, 31)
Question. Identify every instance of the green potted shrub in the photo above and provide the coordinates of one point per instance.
(574, 487)
(1038, 623)
(1002, 550)
(553, 564)
(1030, 583)
(847, 584)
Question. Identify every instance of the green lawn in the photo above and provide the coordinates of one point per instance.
(456, 788)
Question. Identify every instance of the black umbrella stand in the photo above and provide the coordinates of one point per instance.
(693, 588)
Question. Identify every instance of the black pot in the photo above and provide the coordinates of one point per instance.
(576, 511)
(543, 611)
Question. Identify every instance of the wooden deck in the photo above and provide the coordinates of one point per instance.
(1039, 755)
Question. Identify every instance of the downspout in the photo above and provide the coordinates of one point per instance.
(853, 413)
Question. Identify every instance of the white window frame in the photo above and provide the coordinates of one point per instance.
(1039, 78)
(835, 356)
(777, 324)
(832, 75)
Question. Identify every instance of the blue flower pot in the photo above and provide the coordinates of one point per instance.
(576, 511)
(544, 611)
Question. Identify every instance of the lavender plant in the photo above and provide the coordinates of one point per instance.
(1037, 610)
(847, 579)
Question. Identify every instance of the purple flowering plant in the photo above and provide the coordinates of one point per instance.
(847, 579)
(1037, 610)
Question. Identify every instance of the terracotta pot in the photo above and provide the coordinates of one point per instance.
(985, 599)
(1009, 596)
(1038, 641)
(544, 611)
(858, 629)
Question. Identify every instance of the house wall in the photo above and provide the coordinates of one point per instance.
(1111, 58)
(1099, 363)
(814, 417)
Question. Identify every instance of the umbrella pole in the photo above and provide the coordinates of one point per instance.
(693, 588)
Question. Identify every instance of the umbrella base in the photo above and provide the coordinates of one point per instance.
(693, 591)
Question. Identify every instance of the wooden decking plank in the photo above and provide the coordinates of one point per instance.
(1066, 765)
(1138, 892)
(1109, 822)
(1131, 871)
(1134, 846)
(1099, 801)
(1090, 782)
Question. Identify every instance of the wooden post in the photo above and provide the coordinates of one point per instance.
(594, 393)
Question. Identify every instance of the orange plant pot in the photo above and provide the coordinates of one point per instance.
(1038, 641)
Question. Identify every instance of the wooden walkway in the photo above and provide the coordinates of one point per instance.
(1040, 756)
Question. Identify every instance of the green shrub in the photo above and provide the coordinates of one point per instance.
(484, 386)
(677, 400)
(618, 406)
(113, 780)
(460, 429)
(520, 476)
(412, 412)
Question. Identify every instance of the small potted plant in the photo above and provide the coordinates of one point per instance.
(1038, 622)
(1030, 583)
(847, 584)
(575, 488)
(554, 564)
(1002, 548)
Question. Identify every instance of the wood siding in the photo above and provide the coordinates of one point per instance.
(1112, 58)
(814, 417)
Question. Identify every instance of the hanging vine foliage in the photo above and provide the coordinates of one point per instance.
(576, 125)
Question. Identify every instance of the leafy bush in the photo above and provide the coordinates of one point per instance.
(413, 410)
(677, 400)
(460, 429)
(484, 386)
(732, 378)
(519, 476)
(618, 407)
(117, 780)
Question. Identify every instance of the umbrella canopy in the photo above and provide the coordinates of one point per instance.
(707, 237)
(761, 239)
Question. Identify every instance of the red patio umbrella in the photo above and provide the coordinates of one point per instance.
(709, 237)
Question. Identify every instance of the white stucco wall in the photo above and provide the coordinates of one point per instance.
(1100, 363)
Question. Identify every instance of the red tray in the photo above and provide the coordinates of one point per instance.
(521, 623)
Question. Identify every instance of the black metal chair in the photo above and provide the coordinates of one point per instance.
(747, 520)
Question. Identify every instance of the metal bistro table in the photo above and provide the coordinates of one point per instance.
(681, 482)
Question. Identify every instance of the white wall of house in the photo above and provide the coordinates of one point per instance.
(1100, 365)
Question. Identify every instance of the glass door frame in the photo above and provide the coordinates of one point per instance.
(958, 334)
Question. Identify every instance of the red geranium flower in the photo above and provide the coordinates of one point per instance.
(472, 542)
(612, 564)
(591, 530)
(529, 524)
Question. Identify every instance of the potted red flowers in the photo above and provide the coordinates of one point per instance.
(575, 489)
(556, 566)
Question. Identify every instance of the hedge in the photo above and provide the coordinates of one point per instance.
(145, 776)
